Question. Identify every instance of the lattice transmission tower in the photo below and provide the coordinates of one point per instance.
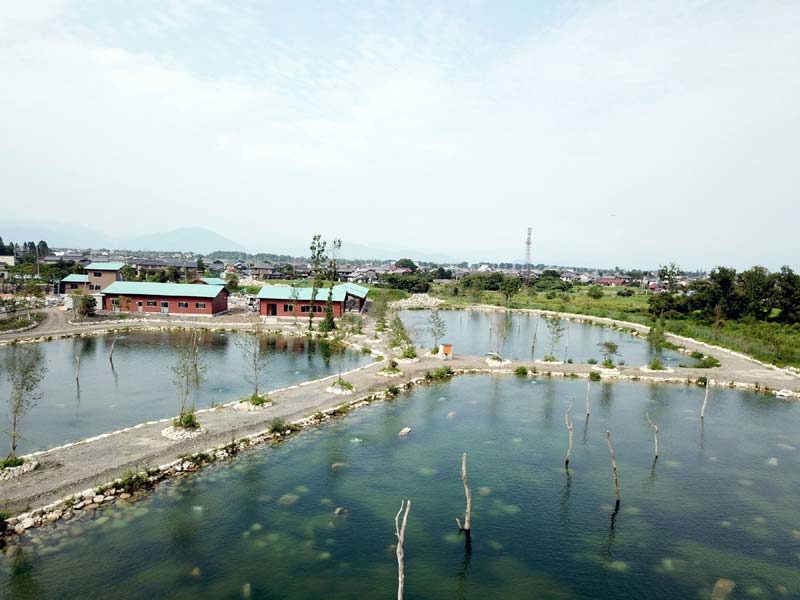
(528, 257)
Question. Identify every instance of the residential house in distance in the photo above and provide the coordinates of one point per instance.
(165, 298)
(74, 282)
(262, 270)
(102, 274)
(613, 281)
(287, 301)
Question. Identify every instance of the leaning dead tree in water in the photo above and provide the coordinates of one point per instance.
(588, 392)
(467, 527)
(569, 426)
(400, 532)
(113, 345)
(655, 433)
(77, 366)
(705, 402)
(614, 474)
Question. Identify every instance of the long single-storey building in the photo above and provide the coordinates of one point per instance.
(165, 298)
(287, 301)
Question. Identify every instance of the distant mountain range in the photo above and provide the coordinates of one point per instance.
(183, 239)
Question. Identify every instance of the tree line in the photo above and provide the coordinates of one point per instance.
(727, 294)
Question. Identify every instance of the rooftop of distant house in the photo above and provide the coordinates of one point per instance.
(104, 266)
(286, 292)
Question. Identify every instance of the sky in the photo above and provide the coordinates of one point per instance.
(624, 132)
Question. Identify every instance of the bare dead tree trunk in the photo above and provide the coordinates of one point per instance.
(113, 345)
(614, 474)
(588, 392)
(468, 494)
(655, 433)
(566, 346)
(569, 426)
(77, 366)
(705, 402)
(400, 532)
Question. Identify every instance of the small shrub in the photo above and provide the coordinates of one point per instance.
(409, 352)
(594, 376)
(257, 400)
(521, 370)
(439, 374)
(569, 361)
(132, 481)
(592, 361)
(345, 385)
(702, 381)
(277, 425)
(707, 362)
(392, 391)
(11, 462)
(697, 355)
(608, 363)
(655, 364)
(625, 292)
(549, 358)
(595, 292)
(435, 350)
(186, 420)
(366, 350)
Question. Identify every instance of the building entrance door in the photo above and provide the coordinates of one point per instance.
(165, 307)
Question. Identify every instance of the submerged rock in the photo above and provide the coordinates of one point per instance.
(338, 465)
(195, 572)
(288, 499)
(722, 589)
(404, 431)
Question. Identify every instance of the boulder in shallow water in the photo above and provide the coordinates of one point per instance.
(404, 431)
(722, 589)
(338, 465)
(195, 572)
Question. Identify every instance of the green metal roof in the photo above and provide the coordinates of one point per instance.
(284, 292)
(212, 280)
(76, 278)
(356, 290)
(104, 266)
(147, 288)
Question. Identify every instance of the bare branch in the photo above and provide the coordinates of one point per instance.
(570, 428)
(400, 532)
(468, 494)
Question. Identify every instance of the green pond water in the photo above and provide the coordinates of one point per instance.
(470, 332)
(139, 387)
(721, 502)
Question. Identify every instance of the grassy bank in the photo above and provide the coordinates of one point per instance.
(14, 323)
(774, 343)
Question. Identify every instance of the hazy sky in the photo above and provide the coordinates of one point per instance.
(628, 133)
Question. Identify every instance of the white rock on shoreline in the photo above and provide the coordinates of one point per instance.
(12, 472)
(179, 433)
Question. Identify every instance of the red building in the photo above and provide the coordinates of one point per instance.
(286, 301)
(165, 298)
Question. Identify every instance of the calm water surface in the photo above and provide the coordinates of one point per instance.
(720, 502)
(470, 333)
(139, 387)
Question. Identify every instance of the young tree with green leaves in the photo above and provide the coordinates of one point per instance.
(25, 369)
(318, 256)
(436, 327)
(328, 323)
(188, 373)
(128, 273)
(253, 359)
(609, 351)
(556, 328)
